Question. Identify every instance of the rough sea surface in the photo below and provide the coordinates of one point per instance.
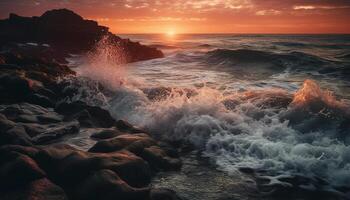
(276, 104)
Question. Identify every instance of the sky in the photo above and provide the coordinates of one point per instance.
(200, 16)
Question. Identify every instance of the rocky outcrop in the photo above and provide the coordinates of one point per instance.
(38, 116)
(57, 33)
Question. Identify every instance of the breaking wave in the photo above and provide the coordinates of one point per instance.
(275, 61)
(277, 133)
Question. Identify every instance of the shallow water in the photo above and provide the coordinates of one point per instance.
(276, 103)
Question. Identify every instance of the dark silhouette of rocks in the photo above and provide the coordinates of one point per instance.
(36, 118)
(66, 32)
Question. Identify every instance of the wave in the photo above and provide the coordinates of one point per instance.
(270, 131)
(273, 132)
(161, 46)
(268, 63)
(312, 45)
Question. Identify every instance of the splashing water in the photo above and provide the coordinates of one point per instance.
(279, 130)
(104, 63)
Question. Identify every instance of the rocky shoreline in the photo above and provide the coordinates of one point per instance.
(36, 116)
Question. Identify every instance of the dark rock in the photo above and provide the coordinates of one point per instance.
(106, 184)
(68, 166)
(163, 194)
(158, 159)
(40, 100)
(41, 189)
(44, 189)
(88, 116)
(15, 135)
(29, 113)
(132, 142)
(142, 145)
(106, 134)
(13, 88)
(18, 171)
(5, 124)
(57, 131)
(126, 126)
(66, 32)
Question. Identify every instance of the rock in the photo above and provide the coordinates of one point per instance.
(40, 100)
(132, 142)
(163, 194)
(88, 116)
(8, 150)
(5, 124)
(107, 185)
(66, 32)
(106, 134)
(19, 170)
(142, 145)
(44, 189)
(127, 127)
(15, 135)
(57, 131)
(29, 113)
(41, 189)
(158, 159)
(13, 88)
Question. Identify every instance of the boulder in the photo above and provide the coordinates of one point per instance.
(15, 135)
(88, 116)
(127, 127)
(158, 159)
(56, 131)
(68, 166)
(132, 142)
(18, 170)
(13, 88)
(106, 134)
(5, 124)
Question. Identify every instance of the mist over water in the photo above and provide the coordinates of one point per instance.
(277, 104)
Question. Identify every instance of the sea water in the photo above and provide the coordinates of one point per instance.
(279, 104)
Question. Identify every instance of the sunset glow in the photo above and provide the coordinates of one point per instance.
(201, 16)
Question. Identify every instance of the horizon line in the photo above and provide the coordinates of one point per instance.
(219, 33)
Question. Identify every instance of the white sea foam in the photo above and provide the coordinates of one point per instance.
(267, 129)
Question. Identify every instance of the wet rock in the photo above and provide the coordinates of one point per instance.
(127, 127)
(41, 189)
(158, 159)
(5, 124)
(57, 131)
(19, 170)
(13, 88)
(142, 145)
(15, 135)
(40, 100)
(106, 184)
(44, 189)
(132, 142)
(29, 113)
(106, 134)
(88, 116)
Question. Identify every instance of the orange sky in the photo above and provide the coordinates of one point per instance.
(201, 16)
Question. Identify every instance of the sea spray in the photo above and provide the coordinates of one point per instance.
(104, 63)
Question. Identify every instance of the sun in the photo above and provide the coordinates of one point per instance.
(170, 33)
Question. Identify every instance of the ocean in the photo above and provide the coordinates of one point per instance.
(277, 104)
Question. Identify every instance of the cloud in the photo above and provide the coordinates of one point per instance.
(310, 7)
(268, 12)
